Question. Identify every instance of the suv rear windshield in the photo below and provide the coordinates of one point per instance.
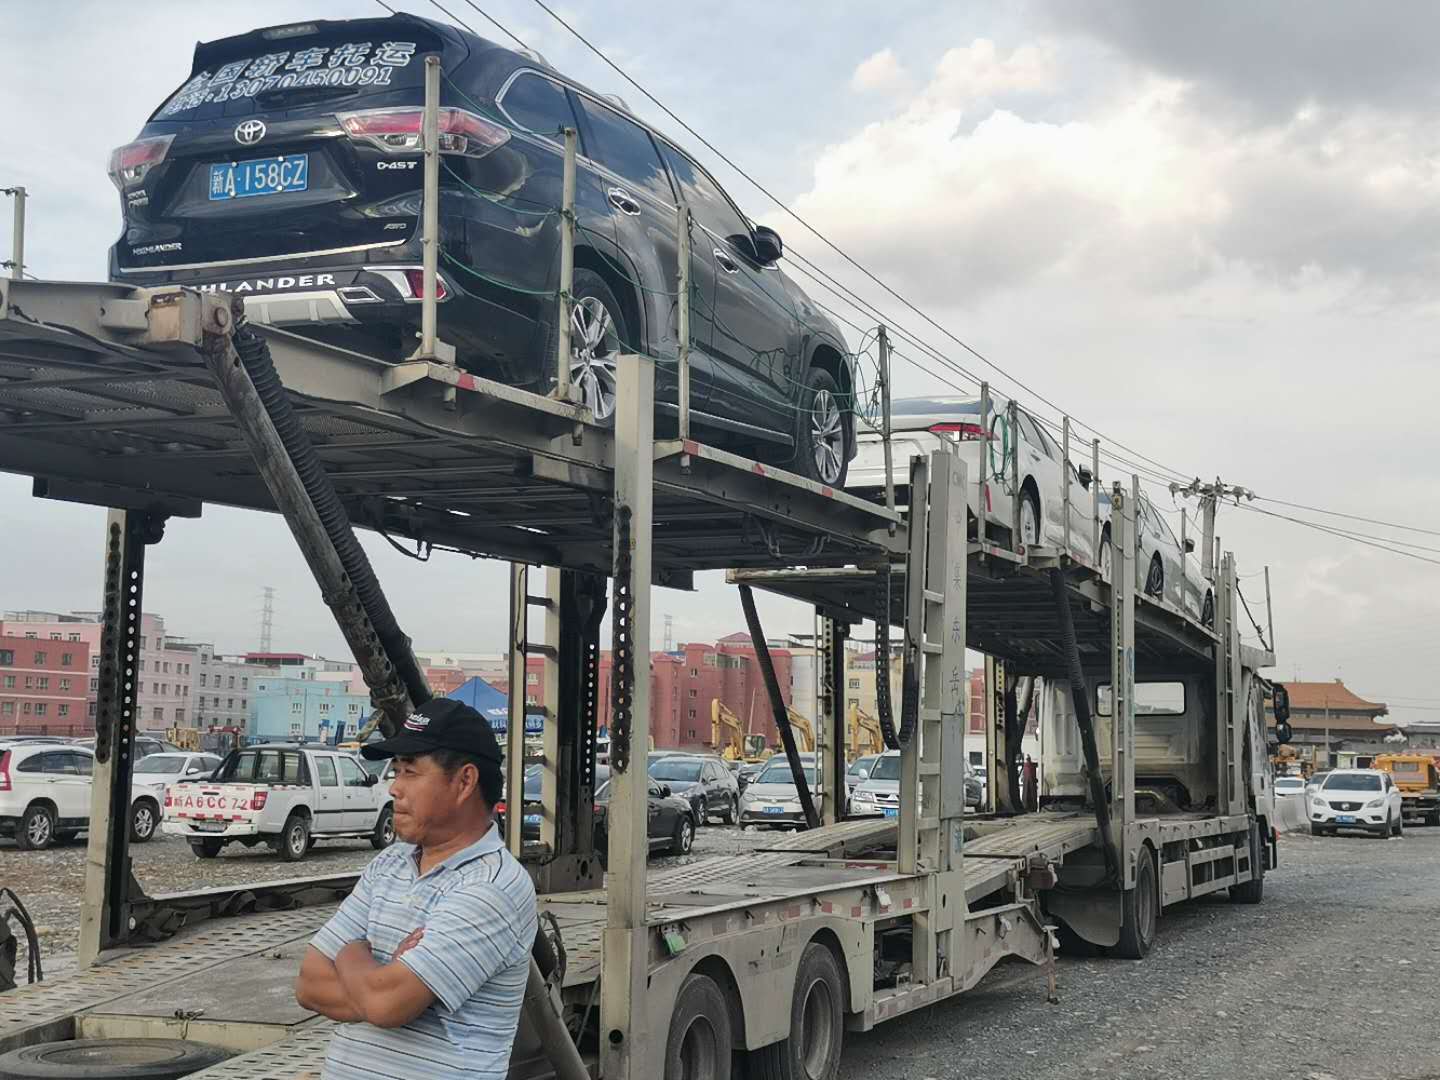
(285, 74)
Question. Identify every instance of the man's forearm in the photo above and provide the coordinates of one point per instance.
(319, 988)
(386, 995)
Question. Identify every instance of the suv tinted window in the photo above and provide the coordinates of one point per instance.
(325, 767)
(538, 104)
(83, 764)
(43, 763)
(348, 66)
(625, 148)
(712, 210)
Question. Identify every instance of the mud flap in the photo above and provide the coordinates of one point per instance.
(1094, 916)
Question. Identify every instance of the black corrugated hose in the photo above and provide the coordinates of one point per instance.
(1081, 697)
(255, 354)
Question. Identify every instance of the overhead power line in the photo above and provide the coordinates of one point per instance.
(1352, 517)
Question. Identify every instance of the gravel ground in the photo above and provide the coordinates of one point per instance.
(1333, 976)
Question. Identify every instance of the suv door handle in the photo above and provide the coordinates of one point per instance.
(622, 201)
(729, 265)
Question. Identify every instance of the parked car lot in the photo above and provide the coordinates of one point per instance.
(671, 826)
(301, 193)
(1356, 799)
(45, 794)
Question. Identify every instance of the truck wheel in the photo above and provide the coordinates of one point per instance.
(1433, 818)
(384, 833)
(1252, 891)
(817, 1023)
(206, 849)
(110, 1059)
(1141, 908)
(295, 838)
(144, 817)
(699, 1042)
(37, 828)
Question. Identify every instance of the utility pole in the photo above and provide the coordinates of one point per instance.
(267, 619)
(1210, 496)
(17, 258)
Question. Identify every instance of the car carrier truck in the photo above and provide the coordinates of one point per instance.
(154, 403)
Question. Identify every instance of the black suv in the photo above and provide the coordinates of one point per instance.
(288, 169)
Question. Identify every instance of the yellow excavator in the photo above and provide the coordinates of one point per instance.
(804, 730)
(729, 736)
(865, 737)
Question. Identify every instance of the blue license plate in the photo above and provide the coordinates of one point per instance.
(532, 819)
(263, 176)
(774, 809)
(891, 811)
(1346, 819)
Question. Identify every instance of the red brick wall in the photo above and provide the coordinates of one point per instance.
(40, 693)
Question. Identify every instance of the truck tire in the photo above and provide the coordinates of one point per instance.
(699, 1043)
(383, 834)
(1252, 891)
(817, 1023)
(1141, 907)
(206, 849)
(144, 820)
(110, 1059)
(295, 838)
(1433, 818)
(37, 828)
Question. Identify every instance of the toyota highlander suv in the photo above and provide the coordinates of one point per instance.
(287, 169)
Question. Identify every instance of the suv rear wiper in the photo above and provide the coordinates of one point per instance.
(305, 95)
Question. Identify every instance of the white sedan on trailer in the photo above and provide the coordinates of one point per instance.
(922, 425)
(1356, 799)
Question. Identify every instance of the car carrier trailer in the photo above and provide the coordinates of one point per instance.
(136, 401)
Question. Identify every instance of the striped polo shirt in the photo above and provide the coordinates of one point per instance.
(478, 911)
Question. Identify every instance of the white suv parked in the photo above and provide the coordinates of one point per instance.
(286, 795)
(45, 795)
(1356, 799)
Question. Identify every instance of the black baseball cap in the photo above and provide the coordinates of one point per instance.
(440, 724)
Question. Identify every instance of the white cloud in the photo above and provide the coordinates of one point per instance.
(881, 72)
(980, 71)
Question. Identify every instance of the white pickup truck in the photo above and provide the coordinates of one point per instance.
(285, 795)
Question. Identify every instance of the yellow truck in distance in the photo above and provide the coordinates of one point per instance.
(1418, 778)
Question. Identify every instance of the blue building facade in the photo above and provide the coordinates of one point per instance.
(295, 709)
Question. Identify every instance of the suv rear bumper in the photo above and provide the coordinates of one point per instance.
(186, 827)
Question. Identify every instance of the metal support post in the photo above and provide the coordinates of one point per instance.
(683, 317)
(830, 667)
(567, 269)
(907, 839)
(551, 834)
(1184, 534)
(515, 731)
(1269, 615)
(1227, 672)
(625, 958)
(1096, 532)
(1207, 555)
(982, 490)
(430, 242)
(1069, 470)
(17, 256)
(1012, 416)
(1122, 672)
(109, 884)
(883, 341)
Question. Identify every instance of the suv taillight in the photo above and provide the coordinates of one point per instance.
(397, 131)
(167, 797)
(257, 801)
(4, 770)
(964, 432)
(416, 280)
(130, 163)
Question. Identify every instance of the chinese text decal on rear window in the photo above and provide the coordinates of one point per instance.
(350, 64)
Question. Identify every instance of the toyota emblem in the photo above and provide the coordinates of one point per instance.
(249, 132)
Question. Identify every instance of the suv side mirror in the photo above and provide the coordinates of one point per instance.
(1280, 705)
(664, 791)
(1085, 476)
(1189, 544)
(371, 779)
(768, 246)
(864, 774)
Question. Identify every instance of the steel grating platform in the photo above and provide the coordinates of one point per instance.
(419, 450)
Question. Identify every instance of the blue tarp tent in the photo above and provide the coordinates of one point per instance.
(494, 706)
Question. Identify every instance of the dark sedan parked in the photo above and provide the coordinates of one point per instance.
(705, 781)
(288, 169)
(672, 822)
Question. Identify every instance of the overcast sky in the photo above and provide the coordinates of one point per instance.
(1210, 231)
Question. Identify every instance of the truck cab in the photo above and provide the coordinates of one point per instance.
(1418, 778)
